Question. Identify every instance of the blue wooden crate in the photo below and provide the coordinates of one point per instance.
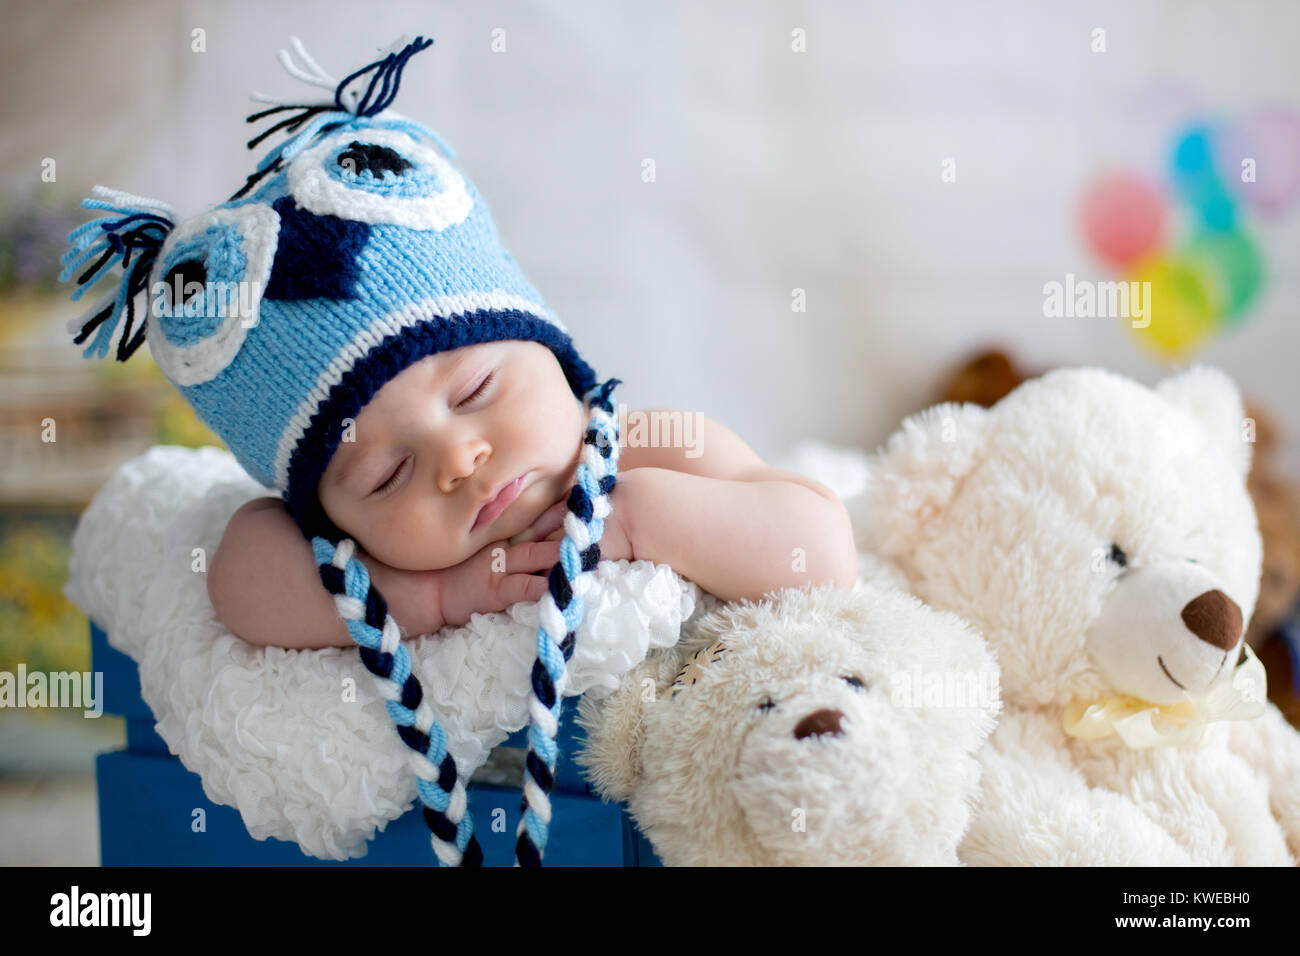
(148, 803)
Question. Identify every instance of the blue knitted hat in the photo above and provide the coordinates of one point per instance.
(354, 250)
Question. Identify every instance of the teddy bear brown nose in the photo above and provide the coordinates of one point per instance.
(1214, 618)
(818, 722)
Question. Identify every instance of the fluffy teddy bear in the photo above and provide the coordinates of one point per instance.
(987, 376)
(1100, 535)
(818, 726)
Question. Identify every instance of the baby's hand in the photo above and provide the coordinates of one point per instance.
(497, 577)
(615, 541)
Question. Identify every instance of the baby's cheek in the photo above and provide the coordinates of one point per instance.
(402, 541)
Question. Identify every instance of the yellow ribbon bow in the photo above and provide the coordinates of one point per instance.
(1241, 694)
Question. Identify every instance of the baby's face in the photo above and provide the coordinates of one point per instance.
(438, 440)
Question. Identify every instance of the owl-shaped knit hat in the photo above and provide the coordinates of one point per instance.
(354, 250)
(280, 313)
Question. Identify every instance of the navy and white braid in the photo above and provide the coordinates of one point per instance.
(365, 612)
(561, 611)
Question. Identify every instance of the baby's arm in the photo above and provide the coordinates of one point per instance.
(266, 589)
(739, 539)
(732, 524)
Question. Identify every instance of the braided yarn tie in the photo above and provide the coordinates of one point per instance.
(365, 613)
(561, 612)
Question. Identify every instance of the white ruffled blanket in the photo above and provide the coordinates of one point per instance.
(268, 730)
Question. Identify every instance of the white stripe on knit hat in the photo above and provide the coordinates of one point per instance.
(320, 193)
(445, 306)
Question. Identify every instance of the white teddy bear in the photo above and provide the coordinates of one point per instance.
(1100, 535)
(822, 726)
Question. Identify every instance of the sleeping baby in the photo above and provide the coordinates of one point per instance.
(350, 324)
(453, 487)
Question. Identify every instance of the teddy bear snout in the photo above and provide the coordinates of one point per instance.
(824, 721)
(1215, 618)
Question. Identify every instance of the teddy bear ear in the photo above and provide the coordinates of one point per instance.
(915, 475)
(614, 724)
(1213, 399)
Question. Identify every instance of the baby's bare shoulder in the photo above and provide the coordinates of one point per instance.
(692, 443)
(257, 504)
(684, 441)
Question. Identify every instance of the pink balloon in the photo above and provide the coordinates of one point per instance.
(1271, 137)
(1123, 218)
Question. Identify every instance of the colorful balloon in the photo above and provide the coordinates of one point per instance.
(1214, 172)
(1123, 219)
(1215, 209)
(1264, 146)
(1195, 178)
(1191, 164)
(1179, 315)
(1231, 263)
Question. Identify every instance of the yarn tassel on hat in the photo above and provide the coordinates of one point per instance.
(347, 106)
(137, 225)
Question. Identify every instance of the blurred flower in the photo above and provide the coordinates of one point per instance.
(33, 237)
(39, 627)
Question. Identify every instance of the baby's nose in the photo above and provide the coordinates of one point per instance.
(456, 467)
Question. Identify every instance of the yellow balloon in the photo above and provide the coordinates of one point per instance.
(1179, 306)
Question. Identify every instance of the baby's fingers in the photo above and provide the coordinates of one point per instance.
(521, 587)
(532, 556)
(547, 521)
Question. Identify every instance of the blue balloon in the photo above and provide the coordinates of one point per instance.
(1192, 154)
(1217, 210)
(1192, 165)
(1195, 179)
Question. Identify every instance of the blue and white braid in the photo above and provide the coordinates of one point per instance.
(365, 613)
(561, 611)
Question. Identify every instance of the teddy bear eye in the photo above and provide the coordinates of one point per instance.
(855, 682)
(1117, 555)
(767, 705)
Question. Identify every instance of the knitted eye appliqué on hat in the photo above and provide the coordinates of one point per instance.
(354, 250)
